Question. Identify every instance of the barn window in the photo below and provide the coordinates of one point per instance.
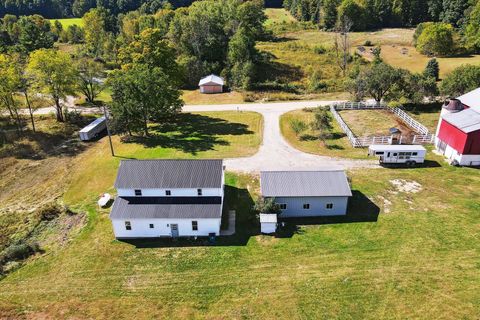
(151, 226)
(128, 225)
(329, 206)
(138, 192)
(283, 206)
(195, 225)
(168, 192)
(199, 192)
(306, 206)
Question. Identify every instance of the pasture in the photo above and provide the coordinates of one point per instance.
(398, 254)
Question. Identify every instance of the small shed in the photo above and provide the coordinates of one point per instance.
(268, 222)
(211, 84)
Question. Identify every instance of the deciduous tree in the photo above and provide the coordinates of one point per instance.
(54, 75)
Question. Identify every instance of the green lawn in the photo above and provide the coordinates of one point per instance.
(417, 259)
(194, 135)
(337, 145)
(69, 22)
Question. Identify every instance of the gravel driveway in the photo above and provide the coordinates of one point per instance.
(275, 153)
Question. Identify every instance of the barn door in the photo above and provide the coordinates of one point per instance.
(174, 230)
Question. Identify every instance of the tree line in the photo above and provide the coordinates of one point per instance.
(150, 57)
(374, 14)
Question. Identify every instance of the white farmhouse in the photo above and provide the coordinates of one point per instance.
(307, 193)
(168, 198)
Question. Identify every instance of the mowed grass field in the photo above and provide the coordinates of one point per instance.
(397, 255)
(192, 135)
(69, 22)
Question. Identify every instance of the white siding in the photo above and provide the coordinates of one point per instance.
(141, 227)
(268, 227)
(317, 206)
(207, 192)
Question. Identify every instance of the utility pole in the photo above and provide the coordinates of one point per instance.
(108, 130)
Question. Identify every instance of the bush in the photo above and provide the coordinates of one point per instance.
(368, 43)
(319, 49)
(298, 126)
(18, 251)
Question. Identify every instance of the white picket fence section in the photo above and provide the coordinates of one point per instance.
(423, 137)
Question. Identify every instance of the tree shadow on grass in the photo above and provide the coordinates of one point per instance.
(191, 133)
(360, 209)
(246, 225)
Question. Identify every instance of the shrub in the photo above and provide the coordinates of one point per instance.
(368, 43)
(18, 251)
(298, 126)
(319, 49)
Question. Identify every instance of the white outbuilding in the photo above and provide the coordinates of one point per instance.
(309, 193)
(268, 223)
(168, 198)
(211, 84)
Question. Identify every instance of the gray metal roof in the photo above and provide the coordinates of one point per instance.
(138, 174)
(467, 120)
(328, 183)
(126, 208)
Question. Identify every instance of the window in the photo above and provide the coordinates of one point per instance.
(379, 152)
(128, 225)
(306, 206)
(329, 206)
(151, 226)
(138, 192)
(199, 192)
(394, 154)
(195, 225)
(283, 206)
(414, 153)
(168, 192)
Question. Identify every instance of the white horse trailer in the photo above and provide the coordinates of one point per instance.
(93, 129)
(409, 155)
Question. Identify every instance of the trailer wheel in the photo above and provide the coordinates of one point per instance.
(411, 163)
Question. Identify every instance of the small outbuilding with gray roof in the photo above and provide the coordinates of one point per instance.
(307, 193)
(168, 198)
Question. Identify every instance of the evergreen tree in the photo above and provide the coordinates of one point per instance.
(432, 69)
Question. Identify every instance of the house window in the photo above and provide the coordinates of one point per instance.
(128, 225)
(199, 192)
(329, 206)
(138, 192)
(168, 192)
(151, 226)
(195, 225)
(306, 206)
(283, 206)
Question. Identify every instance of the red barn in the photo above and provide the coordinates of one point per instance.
(458, 131)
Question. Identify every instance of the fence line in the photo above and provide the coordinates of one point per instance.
(423, 137)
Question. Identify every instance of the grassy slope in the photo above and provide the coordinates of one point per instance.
(69, 22)
(199, 135)
(337, 146)
(372, 122)
(418, 261)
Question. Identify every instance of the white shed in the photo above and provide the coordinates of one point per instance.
(211, 84)
(268, 222)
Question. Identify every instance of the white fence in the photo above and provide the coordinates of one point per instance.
(423, 137)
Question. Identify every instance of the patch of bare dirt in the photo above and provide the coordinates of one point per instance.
(406, 186)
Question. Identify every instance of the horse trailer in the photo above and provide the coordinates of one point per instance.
(409, 155)
(93, 129)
